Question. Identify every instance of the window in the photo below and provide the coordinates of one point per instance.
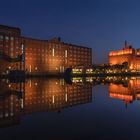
(12, 49)
(1, 37)
(6, 37)
(12, 54)
(12, 38)
(66, 53)
(53, 52)
(12, 44)
(30, 68)
(22, 48)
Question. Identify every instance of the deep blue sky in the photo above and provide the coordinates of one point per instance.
(100, 24)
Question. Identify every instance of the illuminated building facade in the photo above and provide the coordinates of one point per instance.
(41, 56)
(128, 55)
(54, 56)
(10, 49)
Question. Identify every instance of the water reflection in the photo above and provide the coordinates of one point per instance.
(39, 95)
(128, 92)
(53, 95)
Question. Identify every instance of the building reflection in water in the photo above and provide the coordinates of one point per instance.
(128, 92)
(53, 95)
(38, 95)
(10, 102)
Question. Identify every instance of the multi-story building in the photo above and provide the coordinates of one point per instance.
(54, 56)
(127, 55)
(41, 56)
(10, 48)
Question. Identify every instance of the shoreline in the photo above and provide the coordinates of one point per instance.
(70, 75)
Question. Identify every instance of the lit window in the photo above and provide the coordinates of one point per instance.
(66, 97)
(12, 38)
(12, 44)
(22, 48)
(12, 54)
(30, 68)
(66, 53)
(12, 49)
(62, 69)
(53, 99)
(1, 37)
(53, 52)
(7, 38)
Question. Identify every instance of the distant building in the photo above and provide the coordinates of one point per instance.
(41, 56)
(126, 55)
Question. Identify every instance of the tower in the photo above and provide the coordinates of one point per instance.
(125, 45)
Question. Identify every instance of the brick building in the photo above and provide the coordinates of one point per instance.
(10, 48)
(54, 55)
(127, 54)
(41, 56)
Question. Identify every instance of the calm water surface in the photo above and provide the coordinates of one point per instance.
(86, 109)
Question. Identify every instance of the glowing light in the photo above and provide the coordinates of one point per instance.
(30, 83)
(62, 69)
(66, 53)
(9, 85)
(77, 80)
(62, 81)
(76, 71)
(30, 68)
(36, 84)
(89, 71)
(22, 103)
(89, 79)
(53, 52)
(22, 48)
(66, 97)
(53, 99)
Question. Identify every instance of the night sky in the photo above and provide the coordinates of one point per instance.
(103, 25)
